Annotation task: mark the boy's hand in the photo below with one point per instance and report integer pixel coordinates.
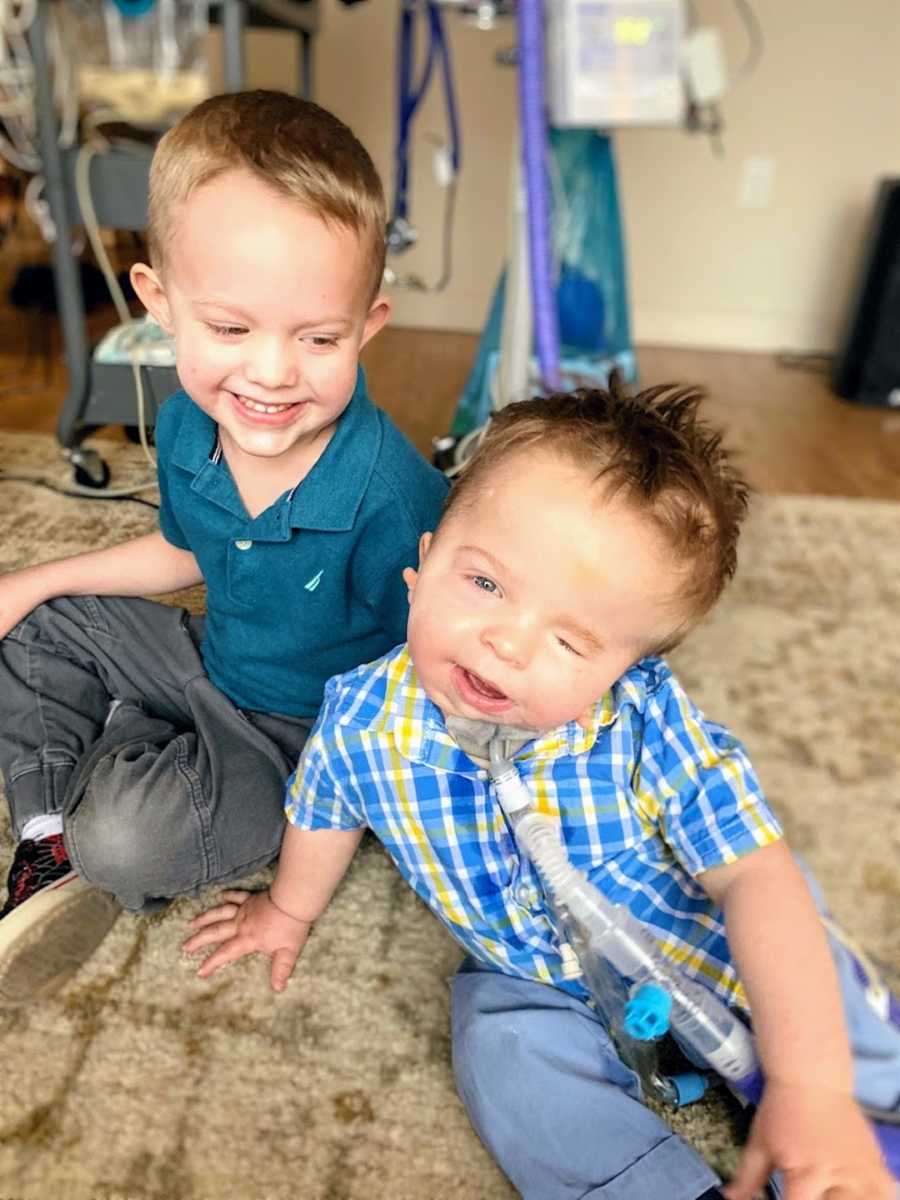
(20, 594)
(249, 923)
(820, 1141)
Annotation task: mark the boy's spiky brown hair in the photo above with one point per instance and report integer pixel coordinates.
(652, 450)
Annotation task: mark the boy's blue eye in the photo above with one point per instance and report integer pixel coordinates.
(321, 342)
(482, 581)
(228, 330)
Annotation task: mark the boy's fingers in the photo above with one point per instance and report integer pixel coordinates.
(220, 913)
(210, 966)
(283, 962)
(752, 1174)
(230, 952)
(213, 934)
(222, 931)
(810, 1185)
(235, 896)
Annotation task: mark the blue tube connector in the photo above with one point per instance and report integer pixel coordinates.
(689, 1086)
(648, 1012)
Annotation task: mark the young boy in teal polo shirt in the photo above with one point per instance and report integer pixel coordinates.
(587, 535)
(145, 751)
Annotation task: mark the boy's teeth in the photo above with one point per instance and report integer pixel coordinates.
(263, 408)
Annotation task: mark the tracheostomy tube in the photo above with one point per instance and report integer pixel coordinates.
(638, 992)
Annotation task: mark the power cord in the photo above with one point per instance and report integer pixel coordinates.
(75, 492)
(755, 39)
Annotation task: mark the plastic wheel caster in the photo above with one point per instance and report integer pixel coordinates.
(90, 470)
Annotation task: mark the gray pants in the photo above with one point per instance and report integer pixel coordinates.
(177, 788)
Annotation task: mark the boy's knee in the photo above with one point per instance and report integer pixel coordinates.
(508, 1031)
(105, 849)
(493, 1040)
(123, 841)
(481, 1041)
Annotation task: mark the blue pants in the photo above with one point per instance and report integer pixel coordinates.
(562, 1115)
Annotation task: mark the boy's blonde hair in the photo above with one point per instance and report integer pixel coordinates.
(651, 449)
(300, 150)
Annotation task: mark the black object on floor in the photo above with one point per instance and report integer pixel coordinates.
(33, 289)
(867, 364)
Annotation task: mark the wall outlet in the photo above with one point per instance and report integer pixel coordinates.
(757, 181)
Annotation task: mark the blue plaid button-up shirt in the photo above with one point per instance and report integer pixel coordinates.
(647, 798)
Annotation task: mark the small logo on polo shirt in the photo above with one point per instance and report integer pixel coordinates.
(313, 583)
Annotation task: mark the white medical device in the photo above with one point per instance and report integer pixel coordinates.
(615, 62)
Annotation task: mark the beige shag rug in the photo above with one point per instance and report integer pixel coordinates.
(140, 1082)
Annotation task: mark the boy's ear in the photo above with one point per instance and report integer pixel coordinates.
(151, 293)
(376, 318)
(410, 575)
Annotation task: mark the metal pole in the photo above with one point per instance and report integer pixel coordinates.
(306, 65)
(234, 19)
(66, 271)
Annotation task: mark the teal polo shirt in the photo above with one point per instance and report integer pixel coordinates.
(311, 587)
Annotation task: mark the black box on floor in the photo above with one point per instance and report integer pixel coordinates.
(867, 365)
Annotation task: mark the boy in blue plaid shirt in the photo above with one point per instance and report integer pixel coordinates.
(588, 534)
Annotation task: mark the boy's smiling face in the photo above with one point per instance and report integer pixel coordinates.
(269, 307)
(536, 595)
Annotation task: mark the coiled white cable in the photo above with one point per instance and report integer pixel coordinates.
(20, 23)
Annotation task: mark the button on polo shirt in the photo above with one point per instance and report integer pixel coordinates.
(312, 586)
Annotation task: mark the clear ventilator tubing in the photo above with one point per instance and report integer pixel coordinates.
(605, 933)
(612, 946)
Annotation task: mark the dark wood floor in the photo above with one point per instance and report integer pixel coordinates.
(791, 433)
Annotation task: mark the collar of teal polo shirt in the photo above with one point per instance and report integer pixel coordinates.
(328, 499)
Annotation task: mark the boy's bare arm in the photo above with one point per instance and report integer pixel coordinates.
(311, 863)
(808, 1124)
(277, 922)
(783, 960)
(145, 566)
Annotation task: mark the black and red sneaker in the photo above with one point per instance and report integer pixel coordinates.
(35, 866)
(51, 923)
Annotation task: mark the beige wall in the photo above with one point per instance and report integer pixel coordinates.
(704, 270)
(825, 104)
(356, 78)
